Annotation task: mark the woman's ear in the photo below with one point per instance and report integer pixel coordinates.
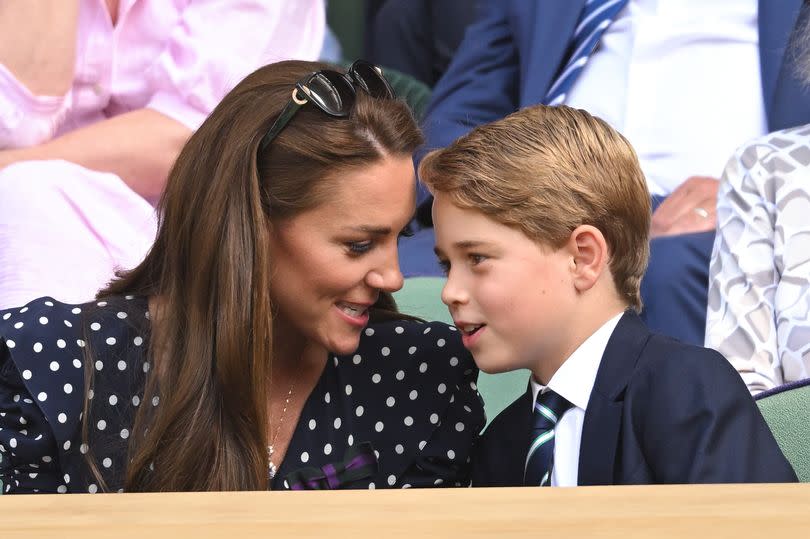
(590, 256)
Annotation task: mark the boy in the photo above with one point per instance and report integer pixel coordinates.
(542, 222)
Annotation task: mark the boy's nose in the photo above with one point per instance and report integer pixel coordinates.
(452, 292)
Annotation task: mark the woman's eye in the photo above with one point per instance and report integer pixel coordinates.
(406, 232)
(359, 247)
(445, 266)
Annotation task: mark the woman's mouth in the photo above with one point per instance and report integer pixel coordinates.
(355, 314)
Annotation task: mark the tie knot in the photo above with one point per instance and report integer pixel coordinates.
(550, 406)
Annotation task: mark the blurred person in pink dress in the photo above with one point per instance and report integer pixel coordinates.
(96, 99)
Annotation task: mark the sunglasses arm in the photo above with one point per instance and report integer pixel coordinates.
(283, 119)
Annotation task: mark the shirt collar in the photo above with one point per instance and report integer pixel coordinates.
(575, 378)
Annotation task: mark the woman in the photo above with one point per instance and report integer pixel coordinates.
(758, 311)
(257, 344)
(759, 280)
(93, 116)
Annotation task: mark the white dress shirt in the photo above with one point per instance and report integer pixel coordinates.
(574, 381)
(681, 80)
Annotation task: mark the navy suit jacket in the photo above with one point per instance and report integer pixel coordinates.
(511, 55)
(660, 412)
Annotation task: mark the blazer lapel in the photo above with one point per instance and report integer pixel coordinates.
(517, 436)
(776, 19)
(547, 42)
(601, 428)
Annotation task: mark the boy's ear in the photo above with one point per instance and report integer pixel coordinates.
(590, 256)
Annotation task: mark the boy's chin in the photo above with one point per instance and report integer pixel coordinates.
(494, 366)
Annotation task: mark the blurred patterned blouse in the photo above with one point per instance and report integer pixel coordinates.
(759, 288)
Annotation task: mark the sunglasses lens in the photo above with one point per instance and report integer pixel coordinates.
(331, 92)
(371, 80)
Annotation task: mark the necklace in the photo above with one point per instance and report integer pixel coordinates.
(271, 467)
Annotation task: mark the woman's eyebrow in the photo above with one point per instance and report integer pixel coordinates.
(371, 229)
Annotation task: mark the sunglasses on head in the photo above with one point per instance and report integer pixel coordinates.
(332, 92)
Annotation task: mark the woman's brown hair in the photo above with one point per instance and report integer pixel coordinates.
(211, 343)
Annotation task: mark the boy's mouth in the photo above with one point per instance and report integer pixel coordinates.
(470, 333)
(470, 329)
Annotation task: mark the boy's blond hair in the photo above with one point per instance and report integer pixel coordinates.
(547, 170)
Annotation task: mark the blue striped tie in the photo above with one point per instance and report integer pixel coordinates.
(595, 18)
(540, 457)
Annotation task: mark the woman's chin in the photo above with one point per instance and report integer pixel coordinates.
(343, 346)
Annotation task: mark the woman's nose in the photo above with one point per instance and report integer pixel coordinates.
(386, 277)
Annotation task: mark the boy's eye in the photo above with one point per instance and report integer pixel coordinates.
(445, 266)
(359, 247)
(476, 258)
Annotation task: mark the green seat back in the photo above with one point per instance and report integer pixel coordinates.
(347, 20)
(421, 296)
(788, 416)
(415, 92)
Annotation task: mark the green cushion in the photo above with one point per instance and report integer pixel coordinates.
(788, 416)
(421, 296)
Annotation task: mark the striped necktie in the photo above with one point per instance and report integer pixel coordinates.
(595, 18)
(548, 408)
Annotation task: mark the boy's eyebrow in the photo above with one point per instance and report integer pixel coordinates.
(468, 244)
(461, 245)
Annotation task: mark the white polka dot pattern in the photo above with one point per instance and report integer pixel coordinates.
(408, 391)
(49, 376)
